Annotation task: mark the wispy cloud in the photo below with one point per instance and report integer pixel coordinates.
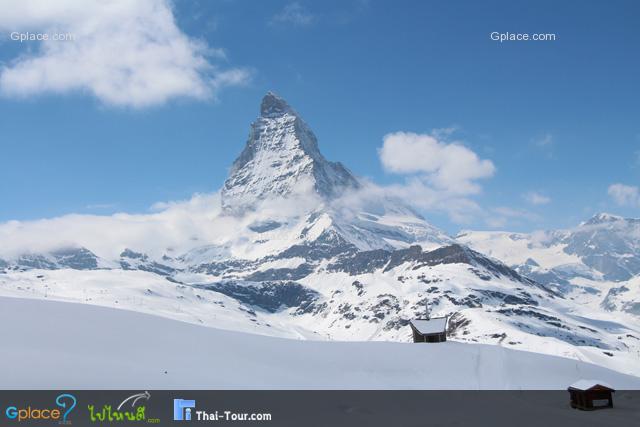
(502, 216)
(293, 14)
(624, 195)
(123, 52)
(536, 198)
(416, 193)
(100, 206)
(545, 140)
(545, 144)
(515, 213)
(636, 158)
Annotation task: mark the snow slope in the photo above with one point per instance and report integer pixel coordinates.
(124, 349)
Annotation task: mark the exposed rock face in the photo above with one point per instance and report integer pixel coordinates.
(66, 257)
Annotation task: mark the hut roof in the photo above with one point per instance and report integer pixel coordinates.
(437, 325)
(585, 385)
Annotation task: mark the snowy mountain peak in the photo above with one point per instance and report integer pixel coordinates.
(281, 158)
(274, 106)
(603, 218)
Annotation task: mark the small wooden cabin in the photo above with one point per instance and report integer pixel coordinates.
(590, 394)
(429, 330)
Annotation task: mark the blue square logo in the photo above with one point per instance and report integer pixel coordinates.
(182, 409)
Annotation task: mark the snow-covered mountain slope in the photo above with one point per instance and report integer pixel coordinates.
(146, 292)
(608, 244)
(297, 247)
(108, 345)
(355, 295)
(623, 297)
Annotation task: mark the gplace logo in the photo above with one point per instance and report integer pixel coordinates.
(182, 409)
(66, 402)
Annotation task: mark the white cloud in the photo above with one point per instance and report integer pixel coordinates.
(444, 176)
(545, 141)
(535, 198)
(508, 212)
(124, 52)
(295, 14)
(449, 167)
(624, 195)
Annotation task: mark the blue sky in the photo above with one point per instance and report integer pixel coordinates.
(558, 119)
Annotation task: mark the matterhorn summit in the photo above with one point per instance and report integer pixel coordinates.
(281, 157)
(281, 160)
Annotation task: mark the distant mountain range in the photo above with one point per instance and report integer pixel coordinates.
(307, 258)
(599, 259)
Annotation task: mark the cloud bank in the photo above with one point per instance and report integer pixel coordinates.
(171, 228)
(176, 228)
(124, 52)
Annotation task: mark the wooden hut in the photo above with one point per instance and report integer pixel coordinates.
(429, 330)
(591, 394)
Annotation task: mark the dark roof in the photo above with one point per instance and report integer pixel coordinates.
(435, 325)
(585, 385)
